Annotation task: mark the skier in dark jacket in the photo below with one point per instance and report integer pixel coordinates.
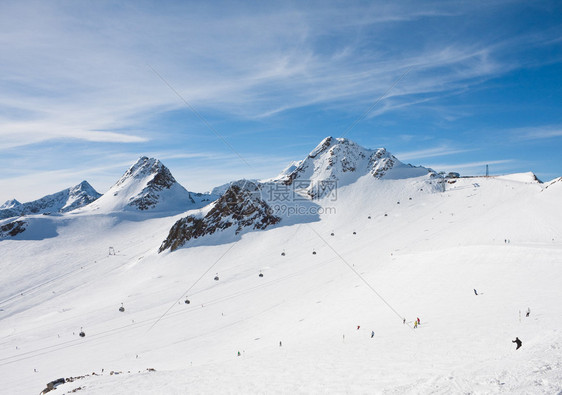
(475, 293)
(518, 343)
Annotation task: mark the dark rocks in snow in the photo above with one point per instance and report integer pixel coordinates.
(12, 229)
(240, 207)
(53, 385)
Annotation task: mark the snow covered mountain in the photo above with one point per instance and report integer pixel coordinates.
(251, 205)
(341, 162)
(239, 207)
(61, 202)
(148, 185)
(10, 204)
(313, 302)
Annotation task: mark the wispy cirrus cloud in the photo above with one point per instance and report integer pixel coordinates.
(537, 133)
(99, 71)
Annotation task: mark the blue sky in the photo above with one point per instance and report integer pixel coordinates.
(84, 87)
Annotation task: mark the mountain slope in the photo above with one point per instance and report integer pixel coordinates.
(423, 257)
(313, 304)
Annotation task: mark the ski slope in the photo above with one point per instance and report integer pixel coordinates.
(420, 254)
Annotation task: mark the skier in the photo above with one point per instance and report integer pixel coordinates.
(415, 324)
(372, 334)
(404, 321)
(518, 342)
(358, 326)
(419, 323)
(280, 344)
(475, 293)
(238, 353)
(528, 312)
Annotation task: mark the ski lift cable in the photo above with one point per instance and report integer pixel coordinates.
(268, 256)
(192, 285)
(137, 324)
(201, 118)
(358, 274)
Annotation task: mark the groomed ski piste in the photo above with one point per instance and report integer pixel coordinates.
(404, 248)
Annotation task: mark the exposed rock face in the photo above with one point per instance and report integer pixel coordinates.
(12, 229)
(60, 202)
(240, 207)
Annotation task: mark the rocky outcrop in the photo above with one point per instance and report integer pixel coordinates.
(240, 207)
(13, 228)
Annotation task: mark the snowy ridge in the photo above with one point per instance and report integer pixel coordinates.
(66, 200)
(520, 177)
(557, 183)
(342, 161)
(148, 185)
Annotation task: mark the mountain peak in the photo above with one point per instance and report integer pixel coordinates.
(149, 185)
(146, 166)
(10, 204)
(342, 162)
